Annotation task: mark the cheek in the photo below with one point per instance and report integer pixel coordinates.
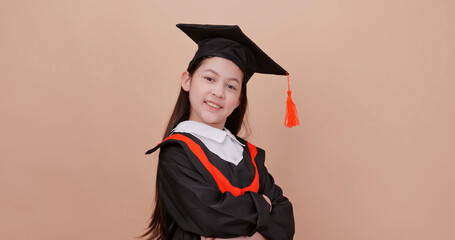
(192, 97)
(236, 100)
(195, 97)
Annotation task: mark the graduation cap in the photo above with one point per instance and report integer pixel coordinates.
(228, 41)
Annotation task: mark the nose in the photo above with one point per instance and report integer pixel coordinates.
(218, 90)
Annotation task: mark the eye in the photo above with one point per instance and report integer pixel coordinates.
(231, 87)
(209, 79)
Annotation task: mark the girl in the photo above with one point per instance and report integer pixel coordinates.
(210, 183)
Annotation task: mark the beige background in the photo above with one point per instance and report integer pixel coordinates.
(86, 87)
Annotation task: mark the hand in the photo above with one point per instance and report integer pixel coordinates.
(268, 201)
(236, 238)
(256, 236)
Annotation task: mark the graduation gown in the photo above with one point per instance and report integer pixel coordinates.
(197, 207)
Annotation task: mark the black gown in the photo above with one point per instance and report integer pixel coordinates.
(196, 206)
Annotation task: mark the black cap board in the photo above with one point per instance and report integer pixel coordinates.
(229, 42)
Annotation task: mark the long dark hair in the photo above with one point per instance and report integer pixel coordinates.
(157, 228)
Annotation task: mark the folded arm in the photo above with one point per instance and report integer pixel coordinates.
(199, 207)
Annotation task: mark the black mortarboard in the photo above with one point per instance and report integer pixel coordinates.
(229, 42)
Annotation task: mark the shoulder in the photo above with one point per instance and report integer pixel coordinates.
(260, 152)
(171, 148)
(180, 150)
(175, 156)
(245, 142)
(177, 142)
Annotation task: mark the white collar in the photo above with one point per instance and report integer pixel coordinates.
(203, 130)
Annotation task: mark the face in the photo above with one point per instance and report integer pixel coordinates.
(214, 91)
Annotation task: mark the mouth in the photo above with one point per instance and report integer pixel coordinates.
(213, 105)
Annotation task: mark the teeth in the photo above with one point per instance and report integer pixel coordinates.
(213, 105)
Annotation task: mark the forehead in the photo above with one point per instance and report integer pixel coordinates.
(221, 66)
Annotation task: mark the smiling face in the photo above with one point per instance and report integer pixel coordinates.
(214, 91)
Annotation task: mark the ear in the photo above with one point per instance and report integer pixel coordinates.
(186, 81)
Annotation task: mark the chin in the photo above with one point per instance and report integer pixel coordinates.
(211, 121)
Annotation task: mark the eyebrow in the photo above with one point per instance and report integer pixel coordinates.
(217, 74)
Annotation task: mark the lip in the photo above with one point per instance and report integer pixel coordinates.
(221, 107)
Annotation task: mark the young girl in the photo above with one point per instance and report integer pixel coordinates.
(212, 184)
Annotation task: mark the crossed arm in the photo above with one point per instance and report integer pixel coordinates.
(200, 208)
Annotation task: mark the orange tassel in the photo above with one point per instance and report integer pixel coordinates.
(291, 119)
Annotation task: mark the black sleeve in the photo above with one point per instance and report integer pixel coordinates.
(198, 206)
(281, 224)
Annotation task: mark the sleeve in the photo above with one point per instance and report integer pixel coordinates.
(198, 206)
(281, 224)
